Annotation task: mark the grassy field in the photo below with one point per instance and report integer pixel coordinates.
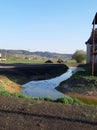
(22, 60)
(16, 58)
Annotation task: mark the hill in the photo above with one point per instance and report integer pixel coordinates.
(37, 53)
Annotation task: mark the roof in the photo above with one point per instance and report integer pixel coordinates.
(95, 19)
(91, 37)
(90, 40)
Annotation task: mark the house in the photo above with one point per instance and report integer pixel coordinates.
(2, 59)
(89, 47)
(91, 44)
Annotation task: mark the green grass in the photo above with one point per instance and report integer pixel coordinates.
(66, 100)
(71, 62)
(8, 94)
(86, 80)
(69, 100)
(1, 86)
(21, 60)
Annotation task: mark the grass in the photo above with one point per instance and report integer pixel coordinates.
(71, 62)
(9, 85)
(83, 79)
(38, 60)
(66, 100)
(70, 100)
(21, 60)
(86, 81)
(7, 93)
(90, 100)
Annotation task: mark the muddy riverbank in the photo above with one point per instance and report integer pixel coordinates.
(23, 73)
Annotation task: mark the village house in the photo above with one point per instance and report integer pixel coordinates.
(2, 59)
(92, 43)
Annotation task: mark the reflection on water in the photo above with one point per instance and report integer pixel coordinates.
(46, 88)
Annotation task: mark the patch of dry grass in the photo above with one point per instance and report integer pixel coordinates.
(91, 100)
(7, 84)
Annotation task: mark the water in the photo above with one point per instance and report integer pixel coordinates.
(46, 88)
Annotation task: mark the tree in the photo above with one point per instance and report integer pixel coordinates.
(79, 56)
(60, 61)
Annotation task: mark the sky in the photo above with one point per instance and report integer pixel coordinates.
(61, 26)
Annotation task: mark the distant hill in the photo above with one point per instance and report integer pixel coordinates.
(37, 53)
(52, 55)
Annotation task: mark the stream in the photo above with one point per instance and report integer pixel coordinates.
(46, 88)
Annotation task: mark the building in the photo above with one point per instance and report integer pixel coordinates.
(92, 44)
(89, 47)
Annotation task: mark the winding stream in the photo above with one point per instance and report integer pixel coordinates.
(46, 88)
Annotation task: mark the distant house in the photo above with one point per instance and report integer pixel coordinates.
(2, 59)
(91, 43)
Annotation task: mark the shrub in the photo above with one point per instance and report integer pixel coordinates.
(79, 56)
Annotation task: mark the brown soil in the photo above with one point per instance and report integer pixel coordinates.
(26, 114)
(23, 73)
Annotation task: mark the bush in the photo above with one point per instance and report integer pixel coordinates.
(79, 56)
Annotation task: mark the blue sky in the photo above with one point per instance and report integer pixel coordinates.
(46, 25)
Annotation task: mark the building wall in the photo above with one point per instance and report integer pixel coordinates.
(88, 57)
(0, 55)
(96, 59)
